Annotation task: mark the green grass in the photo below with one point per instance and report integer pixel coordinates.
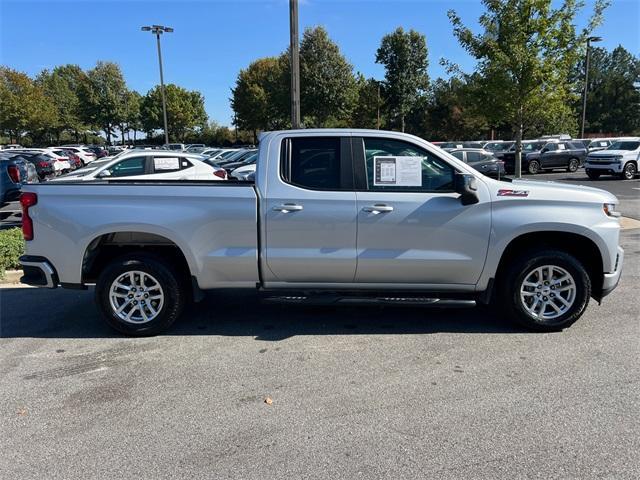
(11, 247)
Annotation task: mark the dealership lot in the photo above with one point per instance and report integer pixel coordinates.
(355, 392)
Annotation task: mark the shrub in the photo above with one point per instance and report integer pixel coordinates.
(11, 247)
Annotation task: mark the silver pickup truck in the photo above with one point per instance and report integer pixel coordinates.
(333, 216)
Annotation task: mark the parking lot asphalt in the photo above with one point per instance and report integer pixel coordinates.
(357, 392)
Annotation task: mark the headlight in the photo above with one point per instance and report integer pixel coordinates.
(618, 157)
(610, 210)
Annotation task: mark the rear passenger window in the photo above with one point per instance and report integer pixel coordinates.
(312, 162)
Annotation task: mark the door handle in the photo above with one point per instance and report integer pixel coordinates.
(378, 208)
(288, 208)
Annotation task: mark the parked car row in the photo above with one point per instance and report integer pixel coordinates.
(142, 164)
(15, 170)
(599, 156)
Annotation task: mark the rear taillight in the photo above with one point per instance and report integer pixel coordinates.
(14, 173)
(27, 200)
(221, 173)
(43, 164)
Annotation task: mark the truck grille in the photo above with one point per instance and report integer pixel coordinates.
(602, 160)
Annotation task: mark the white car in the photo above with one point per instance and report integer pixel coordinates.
(149, 165)
(242, 173)
(86, 155)
(597, 144)
(621, 159)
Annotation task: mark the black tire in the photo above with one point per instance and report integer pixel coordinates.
(593, 175)
(534, 167)
(171, 287)
(509, 289)
(629, 171)
(573, 166)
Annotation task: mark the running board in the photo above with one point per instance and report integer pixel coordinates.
(399, 301)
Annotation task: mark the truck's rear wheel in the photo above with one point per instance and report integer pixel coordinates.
(545, 290)
(573, 166)
(140, 295)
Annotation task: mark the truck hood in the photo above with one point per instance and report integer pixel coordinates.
(609, 153)
(539, 190)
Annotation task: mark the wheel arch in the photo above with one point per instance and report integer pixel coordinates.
(103, 248)
(583, 248)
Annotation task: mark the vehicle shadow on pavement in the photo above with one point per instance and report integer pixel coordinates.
(39, 313)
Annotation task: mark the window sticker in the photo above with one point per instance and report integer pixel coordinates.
(397, 171)
(166, 163)
(561, 146)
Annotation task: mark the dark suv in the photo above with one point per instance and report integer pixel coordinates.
(539, 156)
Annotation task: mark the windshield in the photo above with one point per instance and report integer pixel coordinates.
(625, 145)
(530, 147)
(498, 146)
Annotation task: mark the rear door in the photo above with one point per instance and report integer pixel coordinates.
(164, 167)
(310, 212)
(551, 157)
(412, 227)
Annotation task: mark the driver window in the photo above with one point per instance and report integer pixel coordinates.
(382, 154)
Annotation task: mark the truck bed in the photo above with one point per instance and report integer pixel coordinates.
(213, 223)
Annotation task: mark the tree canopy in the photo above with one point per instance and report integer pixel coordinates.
(405, 58)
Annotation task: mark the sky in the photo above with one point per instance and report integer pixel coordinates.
(214, 39)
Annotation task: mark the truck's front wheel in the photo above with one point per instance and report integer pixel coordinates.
(140, 295)
(545, 290)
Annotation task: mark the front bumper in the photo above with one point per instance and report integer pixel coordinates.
(609, 167)
(38, 272)
(610, 280)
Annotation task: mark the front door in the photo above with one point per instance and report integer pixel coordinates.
(416, 231)
(310, 216)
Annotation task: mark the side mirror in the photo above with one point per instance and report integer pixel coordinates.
(544, 150)
(467, 186)
(104, 173)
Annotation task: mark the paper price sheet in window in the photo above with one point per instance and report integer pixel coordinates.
(397, 171)
(166, 163)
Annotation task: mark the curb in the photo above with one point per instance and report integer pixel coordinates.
(627, 223)
(11, 277)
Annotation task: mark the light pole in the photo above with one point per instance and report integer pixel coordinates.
(586, 83)
(295, 64)
(158, 30)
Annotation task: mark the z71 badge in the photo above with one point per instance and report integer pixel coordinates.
(513, 193)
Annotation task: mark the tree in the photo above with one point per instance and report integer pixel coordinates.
(185, 111)
(104, 92)
(24, 107)
(452, 111)
(328, 89)
(63, 85)
(613, 99)
(525, 55)
(369, 106)
(405, 58)
(130, 119)
(257, 96)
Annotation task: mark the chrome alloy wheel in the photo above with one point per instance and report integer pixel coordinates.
(548, 292)
(136, 297)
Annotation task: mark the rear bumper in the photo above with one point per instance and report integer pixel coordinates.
(38, 272)
(610, 280)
